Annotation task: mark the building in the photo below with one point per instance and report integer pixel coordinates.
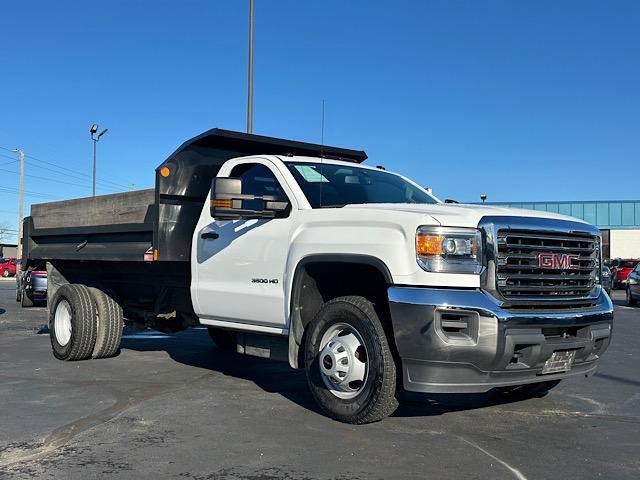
(619, 222)
(8, 250)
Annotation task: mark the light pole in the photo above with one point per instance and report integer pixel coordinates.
(250, 86)
(96, 139)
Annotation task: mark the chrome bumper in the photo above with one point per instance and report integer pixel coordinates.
(463, 341)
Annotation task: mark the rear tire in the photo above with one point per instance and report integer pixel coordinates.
(351, 371)
(530, 390)
(72, 323)
(109, 324)
(26, 301)
(5, 273)
(630, 300)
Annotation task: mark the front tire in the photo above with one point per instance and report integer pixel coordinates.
(72, 323)
(350, 368)
(630, 300)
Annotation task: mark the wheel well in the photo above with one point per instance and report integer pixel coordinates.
(317, 282)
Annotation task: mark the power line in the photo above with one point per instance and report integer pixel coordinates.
(103, 181)
(72, 171)
(9, 156)
(76, 175)
(48, 178)
(32, 194)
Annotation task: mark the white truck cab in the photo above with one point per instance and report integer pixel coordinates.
(356, 274)
(423, 264)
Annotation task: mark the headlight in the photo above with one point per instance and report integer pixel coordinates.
(449, 250)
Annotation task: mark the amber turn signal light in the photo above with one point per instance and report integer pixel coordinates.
(429, 244)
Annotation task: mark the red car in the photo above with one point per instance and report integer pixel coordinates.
(620, 270)
(8, 266)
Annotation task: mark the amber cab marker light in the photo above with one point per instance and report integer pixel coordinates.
(164, 171)
(223, 203)
(429, 244)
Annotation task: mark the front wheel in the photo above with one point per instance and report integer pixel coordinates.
(350, 368)
(630, 300)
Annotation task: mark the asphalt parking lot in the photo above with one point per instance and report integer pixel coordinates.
(175, 406)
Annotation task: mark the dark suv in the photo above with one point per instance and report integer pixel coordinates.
(633, 286)
(31, 286)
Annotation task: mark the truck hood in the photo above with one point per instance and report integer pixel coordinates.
(462, 215)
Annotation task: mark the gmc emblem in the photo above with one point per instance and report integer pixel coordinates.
(558, 261)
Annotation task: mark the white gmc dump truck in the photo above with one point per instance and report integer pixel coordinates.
(298, 252)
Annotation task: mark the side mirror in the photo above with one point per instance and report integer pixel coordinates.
(227, 201)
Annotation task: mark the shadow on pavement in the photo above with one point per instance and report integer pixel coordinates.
(615, 378)
(194, 348)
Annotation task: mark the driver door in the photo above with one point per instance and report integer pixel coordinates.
(241, 263)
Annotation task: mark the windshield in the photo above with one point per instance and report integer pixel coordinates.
(328, 185)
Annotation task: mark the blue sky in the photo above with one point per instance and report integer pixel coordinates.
(519, 100)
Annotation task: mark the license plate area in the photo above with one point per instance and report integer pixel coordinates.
(560, 361)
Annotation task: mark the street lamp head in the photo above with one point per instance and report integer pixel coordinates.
(93, 129)
(483, 197)
(102, 132)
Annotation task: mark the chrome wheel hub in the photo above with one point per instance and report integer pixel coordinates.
(62, 322)
(343, 361)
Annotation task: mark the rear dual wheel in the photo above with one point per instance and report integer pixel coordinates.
(84, 323)
(109, 324)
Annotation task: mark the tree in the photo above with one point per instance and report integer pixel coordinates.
(5, 232)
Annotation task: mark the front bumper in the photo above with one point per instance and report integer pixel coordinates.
(455, 341)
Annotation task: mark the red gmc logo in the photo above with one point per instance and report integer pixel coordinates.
(558, 261)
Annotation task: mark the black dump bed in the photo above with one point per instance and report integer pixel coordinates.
(157, 223)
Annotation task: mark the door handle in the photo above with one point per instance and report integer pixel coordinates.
(209, 235)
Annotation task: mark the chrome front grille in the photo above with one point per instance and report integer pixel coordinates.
(545, 265)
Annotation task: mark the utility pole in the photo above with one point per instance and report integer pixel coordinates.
(20, 195)
(250, 87)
